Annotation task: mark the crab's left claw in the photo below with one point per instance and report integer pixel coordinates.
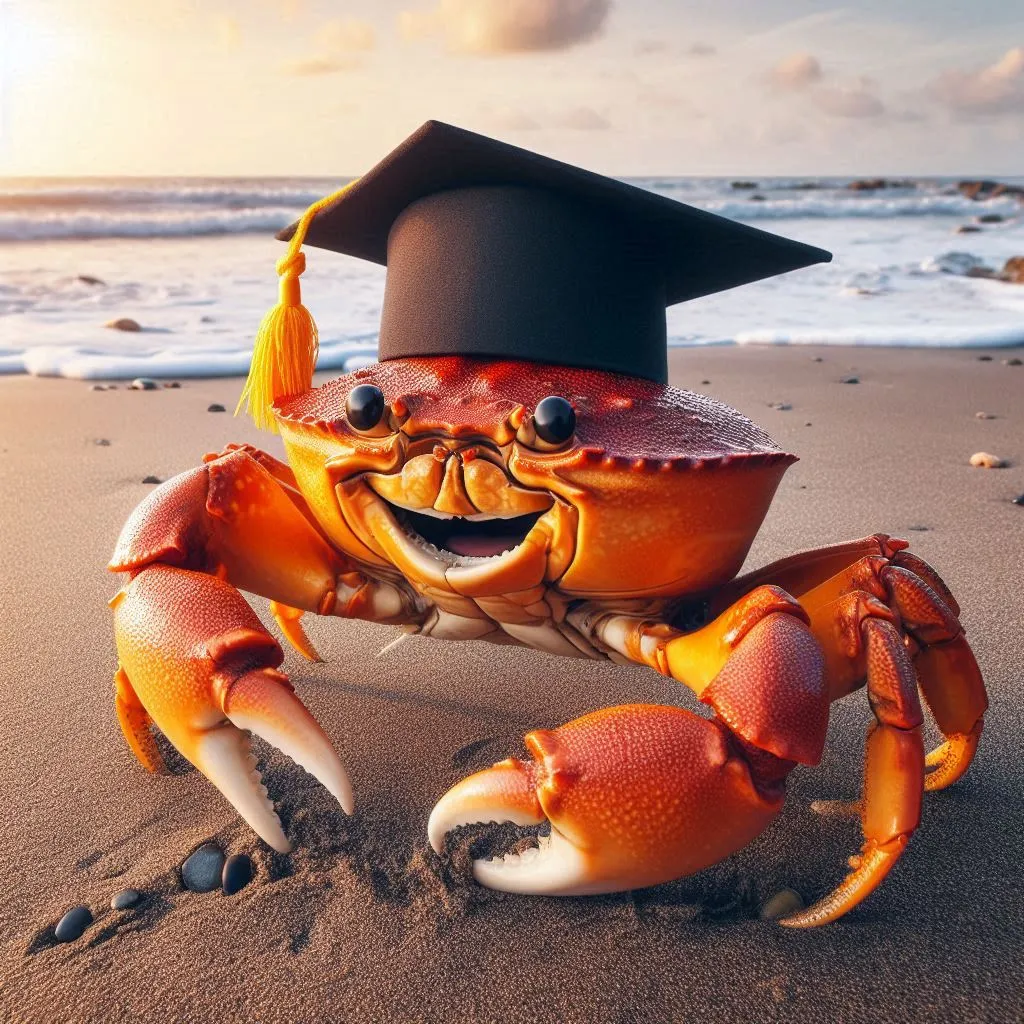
(636, 795)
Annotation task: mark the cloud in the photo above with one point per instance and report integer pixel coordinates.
(311, 66)
(996, 89)
(507, 26)
(849, 102)
(702, 50)
(797, 71)
(345, 35)
(653, 47)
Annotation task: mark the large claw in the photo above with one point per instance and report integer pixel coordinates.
(196, 661)
(635, 795)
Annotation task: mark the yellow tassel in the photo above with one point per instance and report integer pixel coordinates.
(287, 342)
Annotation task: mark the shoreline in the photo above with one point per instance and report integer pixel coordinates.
(360, 922)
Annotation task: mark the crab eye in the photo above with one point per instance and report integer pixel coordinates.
(364, 406)
(554, 419)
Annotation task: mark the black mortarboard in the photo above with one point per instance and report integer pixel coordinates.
(496, 251)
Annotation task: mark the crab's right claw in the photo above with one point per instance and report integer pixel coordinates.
(197, 662)
(636, 795)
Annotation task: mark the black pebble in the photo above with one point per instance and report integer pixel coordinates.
(1019, 500)
(73, 923)
(89, 279)
(1013, 362)
(171, 384)
(126, 898)
(705, 382)
(237, 874)
(919, 529)
(216, 407)
(152, 479)
(984, 359)
(850, 380)
(201, 870)
(101, 442)
(819, 359)
(144, 384)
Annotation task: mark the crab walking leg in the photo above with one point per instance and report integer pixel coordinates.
(641, 794)
(947, 671)
(196, 660)
(890, 807)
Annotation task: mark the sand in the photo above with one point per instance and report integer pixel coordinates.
(362, 923)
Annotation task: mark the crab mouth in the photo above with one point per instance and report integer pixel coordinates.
(466, 538)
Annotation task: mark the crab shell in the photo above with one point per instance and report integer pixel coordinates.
(659, 493)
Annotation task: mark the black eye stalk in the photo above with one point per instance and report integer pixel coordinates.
(365, 406)
(554, 419)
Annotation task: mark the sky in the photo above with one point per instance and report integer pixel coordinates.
(626, 87)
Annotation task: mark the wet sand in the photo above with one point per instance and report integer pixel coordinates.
(361, 922)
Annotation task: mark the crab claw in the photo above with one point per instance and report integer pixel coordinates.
(636, 795)
(197, 662)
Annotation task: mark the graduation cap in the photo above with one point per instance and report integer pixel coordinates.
(496, 251)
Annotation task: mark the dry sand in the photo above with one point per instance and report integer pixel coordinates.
(361, 923)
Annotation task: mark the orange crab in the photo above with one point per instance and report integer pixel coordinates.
(575, 511)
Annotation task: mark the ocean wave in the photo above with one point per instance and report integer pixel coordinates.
(859, 206)
(50, 226)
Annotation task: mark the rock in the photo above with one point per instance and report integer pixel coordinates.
(216, 407)
(990, 218)
(985, 189)
(89, 279)
(201, 870)
(101, 442)
(987, 460)
(97, 387)
(1012, 362)
(785, 901)
(781, 406)
(152, 479)
(705, 382)
(984, 416)
(237, 874)
(144, 384)
(207, 320)
(960, 263)
(743, 184)
(967, 229)
(73, 923)
(849, 380)
(1013, 270)
(126, 898)
(757, 198)
(124, 323)
(919, 529)
(171, 384)
(1019, 500)
(984, 359)
(817, 359)
(806, 186)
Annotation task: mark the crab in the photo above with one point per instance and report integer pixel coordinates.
(581, 513)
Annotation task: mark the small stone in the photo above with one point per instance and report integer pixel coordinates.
(784, 902)
(97, 387)
(151, 479)
(1012, 362)
(73, 923)
(171, 384)
(967, 229)
(101, 442)
(126, 898)
(1019, 500)
(207, 320)
(781, 406)
(201, 870)
(919, 529)
(237, 874)
(990, 218)
(817, 359)
(215, 407)
(124, 323)
(705, 382)
(987, 461)
(850, 380)
(808, 424)
(89, 279)
(984, 359)
(144, 384)
(984, 416)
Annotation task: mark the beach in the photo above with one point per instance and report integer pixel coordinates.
(362, 922)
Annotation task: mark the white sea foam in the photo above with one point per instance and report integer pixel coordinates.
(192, 261)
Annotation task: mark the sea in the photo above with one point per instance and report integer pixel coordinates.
(192, 261)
